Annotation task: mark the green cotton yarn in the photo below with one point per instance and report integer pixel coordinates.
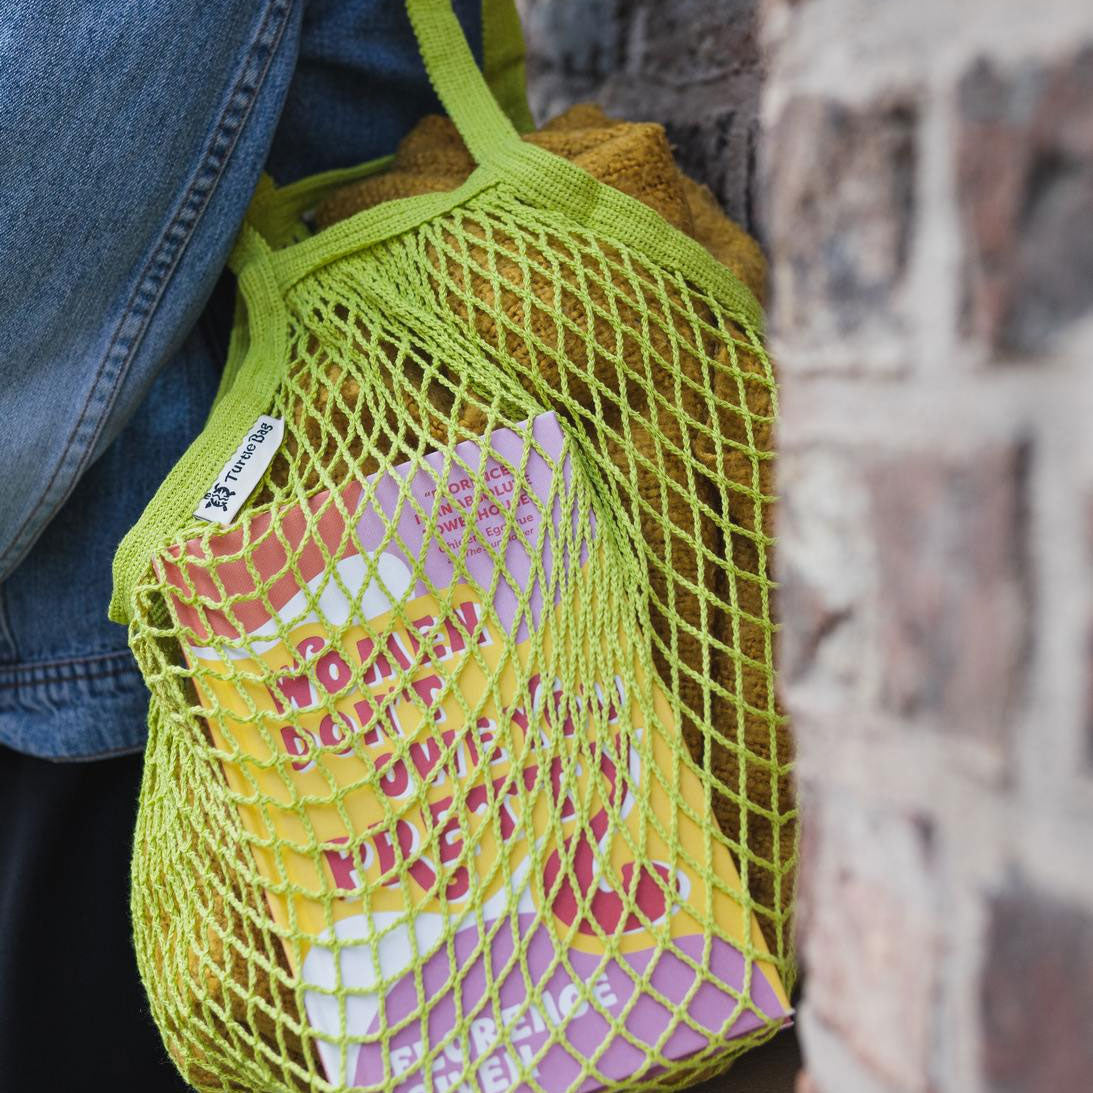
(412, 328)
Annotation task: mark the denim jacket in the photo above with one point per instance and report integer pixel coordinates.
(133, 136)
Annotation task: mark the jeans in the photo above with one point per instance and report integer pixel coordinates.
(132, 137)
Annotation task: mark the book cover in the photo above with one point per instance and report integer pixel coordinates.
(472, 813)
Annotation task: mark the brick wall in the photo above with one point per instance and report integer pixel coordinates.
(925, 190)
(927, 170)
(692, 65)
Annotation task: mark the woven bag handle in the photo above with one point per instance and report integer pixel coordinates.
(503, 60)
(464, 91)
(275, 210)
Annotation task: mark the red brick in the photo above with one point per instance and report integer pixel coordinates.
(1036, 995)
(1025, 188)
(692, 65)
(689, 41)
(952, 587)
(840, 215)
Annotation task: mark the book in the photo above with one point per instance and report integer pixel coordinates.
(483, 843)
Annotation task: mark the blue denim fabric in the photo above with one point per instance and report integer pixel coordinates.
(132, 138)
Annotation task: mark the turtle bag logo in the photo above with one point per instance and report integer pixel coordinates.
(217, 497)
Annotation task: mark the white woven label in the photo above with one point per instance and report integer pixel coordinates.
(236, 482)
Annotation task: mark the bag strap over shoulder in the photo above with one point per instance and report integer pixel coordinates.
(503, 61)
(275, 211)
(461, 86)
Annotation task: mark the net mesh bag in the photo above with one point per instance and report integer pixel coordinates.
(465, 767)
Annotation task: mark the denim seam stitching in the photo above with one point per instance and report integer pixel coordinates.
(82, 677)
(64, 662)
(27, 679)
(156, 275)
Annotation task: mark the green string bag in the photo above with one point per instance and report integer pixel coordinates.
(465, 769)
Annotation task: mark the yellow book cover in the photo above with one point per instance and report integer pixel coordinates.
(472, 811)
